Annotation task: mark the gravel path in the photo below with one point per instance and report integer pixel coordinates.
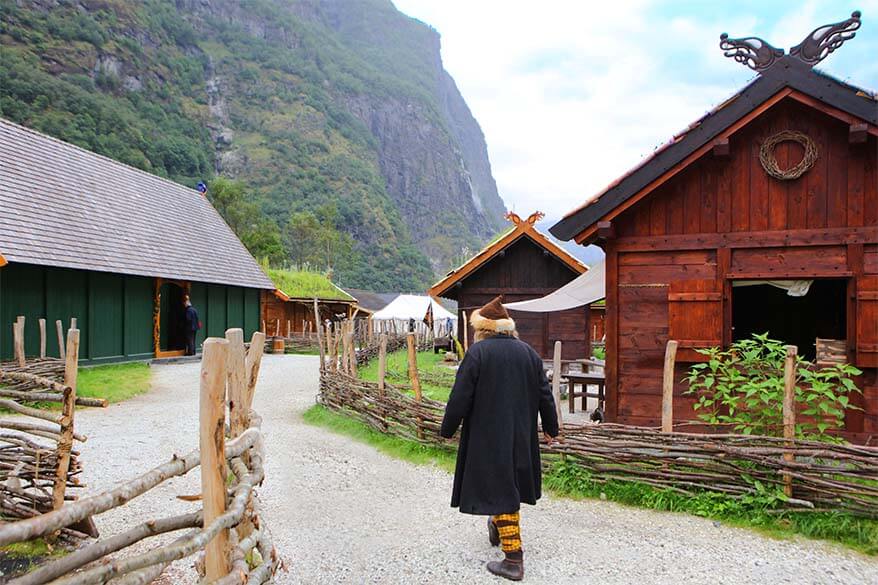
(340, 512)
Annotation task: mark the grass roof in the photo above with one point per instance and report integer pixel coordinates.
(305, 284)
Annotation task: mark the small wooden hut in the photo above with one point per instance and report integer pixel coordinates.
(778, 184)
(289, 308)
(522, 264)
(83, 236)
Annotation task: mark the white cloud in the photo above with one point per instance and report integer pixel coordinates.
(570, 95)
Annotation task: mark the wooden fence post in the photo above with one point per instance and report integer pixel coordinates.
(413, 376)
(252, 363)
(465, 333)
(382, 361)
(556, 380)
(335, 335)
(18, 340)
(73, 323)
(789, 412)
(668, 387)
(60, 329)
(42, 338)
(237, 382)
(319, 341)
(65, 441)
(352, 355)
(212, 446)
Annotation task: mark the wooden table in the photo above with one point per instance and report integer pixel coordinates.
(584, 379)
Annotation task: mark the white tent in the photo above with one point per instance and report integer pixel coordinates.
(405, 307)
(582, 290)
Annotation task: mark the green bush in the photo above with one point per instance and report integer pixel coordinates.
(743, 386)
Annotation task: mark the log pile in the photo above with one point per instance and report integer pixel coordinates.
(825, 476)
(236, 542)
(38, 462)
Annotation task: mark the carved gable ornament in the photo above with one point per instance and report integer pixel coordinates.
(758, 55)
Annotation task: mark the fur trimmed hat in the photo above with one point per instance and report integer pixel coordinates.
(493, 317)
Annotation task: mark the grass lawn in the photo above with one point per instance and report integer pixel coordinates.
(571, 481)
(115, 382)
(436, 377)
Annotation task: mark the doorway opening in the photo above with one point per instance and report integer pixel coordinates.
(172, 318)
(795, 320)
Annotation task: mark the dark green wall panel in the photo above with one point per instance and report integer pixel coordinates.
(139, 292)
(235, 307)
(23, 294)
(67, 297)
(252, 313)
(106, 326)
(216, 311)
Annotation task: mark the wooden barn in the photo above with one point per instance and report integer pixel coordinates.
(705, 241)
(289, 308)
(522, 264)
(86, 237)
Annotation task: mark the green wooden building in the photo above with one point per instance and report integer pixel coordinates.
(87, 237)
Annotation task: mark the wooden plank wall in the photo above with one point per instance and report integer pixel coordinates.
(725, 217)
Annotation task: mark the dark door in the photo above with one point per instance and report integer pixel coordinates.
(172, 324)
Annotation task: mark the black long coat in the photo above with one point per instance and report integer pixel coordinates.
(500, 387)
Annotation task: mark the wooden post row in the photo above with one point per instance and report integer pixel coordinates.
(789, 412)
(668, 387)
(65, 441)
(212, 447)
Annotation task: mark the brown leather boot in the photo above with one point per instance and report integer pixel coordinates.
(493, 533)
(512, 569)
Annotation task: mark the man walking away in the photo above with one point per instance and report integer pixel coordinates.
(192, 326)
(500, 389)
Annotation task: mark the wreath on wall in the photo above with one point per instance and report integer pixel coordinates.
(769, 162)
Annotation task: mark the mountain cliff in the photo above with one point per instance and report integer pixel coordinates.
(354, 147)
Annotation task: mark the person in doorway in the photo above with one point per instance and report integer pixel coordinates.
(192, 325)
(501, 387)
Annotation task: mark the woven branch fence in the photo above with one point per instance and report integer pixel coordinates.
(235, 541)
(825, 476)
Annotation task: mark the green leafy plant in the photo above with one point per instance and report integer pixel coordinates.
(743, 386)
(599, 353)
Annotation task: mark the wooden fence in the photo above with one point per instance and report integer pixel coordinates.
(815, 475)
(228, 528)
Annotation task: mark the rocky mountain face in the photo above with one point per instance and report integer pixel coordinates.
(308, 102)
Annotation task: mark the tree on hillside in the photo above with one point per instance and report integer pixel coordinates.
(259, 234)
(313, 238)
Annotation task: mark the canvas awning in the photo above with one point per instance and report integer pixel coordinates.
(581, 291)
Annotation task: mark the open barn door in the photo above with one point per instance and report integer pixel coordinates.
(867, 322)
(695, 315)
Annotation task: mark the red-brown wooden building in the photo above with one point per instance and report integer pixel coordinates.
(685, 228)
(521, 265)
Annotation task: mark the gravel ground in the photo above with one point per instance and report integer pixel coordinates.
(340, 512)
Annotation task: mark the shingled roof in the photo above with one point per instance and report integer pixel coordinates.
(67, 207)
(787, 79)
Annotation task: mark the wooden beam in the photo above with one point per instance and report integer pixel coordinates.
(858, 133)
(606, 230)
(721, 148)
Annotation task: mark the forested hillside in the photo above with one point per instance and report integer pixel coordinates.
(327, 130)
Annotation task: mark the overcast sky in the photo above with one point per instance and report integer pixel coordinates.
(571, 94)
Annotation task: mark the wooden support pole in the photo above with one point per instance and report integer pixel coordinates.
(319, 341)
(556, 379)
(18, 340)
(263, 326)
(252, 363)
(277, 327)
(59, 328)
(42, 338)
(237, 382)
(289, 329)
(73, 323)
(65, 442)
(789, 412)
(413, 376)
(335, 335)
(668, 387)
(212, 447)
(465, 333)
(382, 361)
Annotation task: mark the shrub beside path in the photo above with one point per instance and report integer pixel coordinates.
(341, 512)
